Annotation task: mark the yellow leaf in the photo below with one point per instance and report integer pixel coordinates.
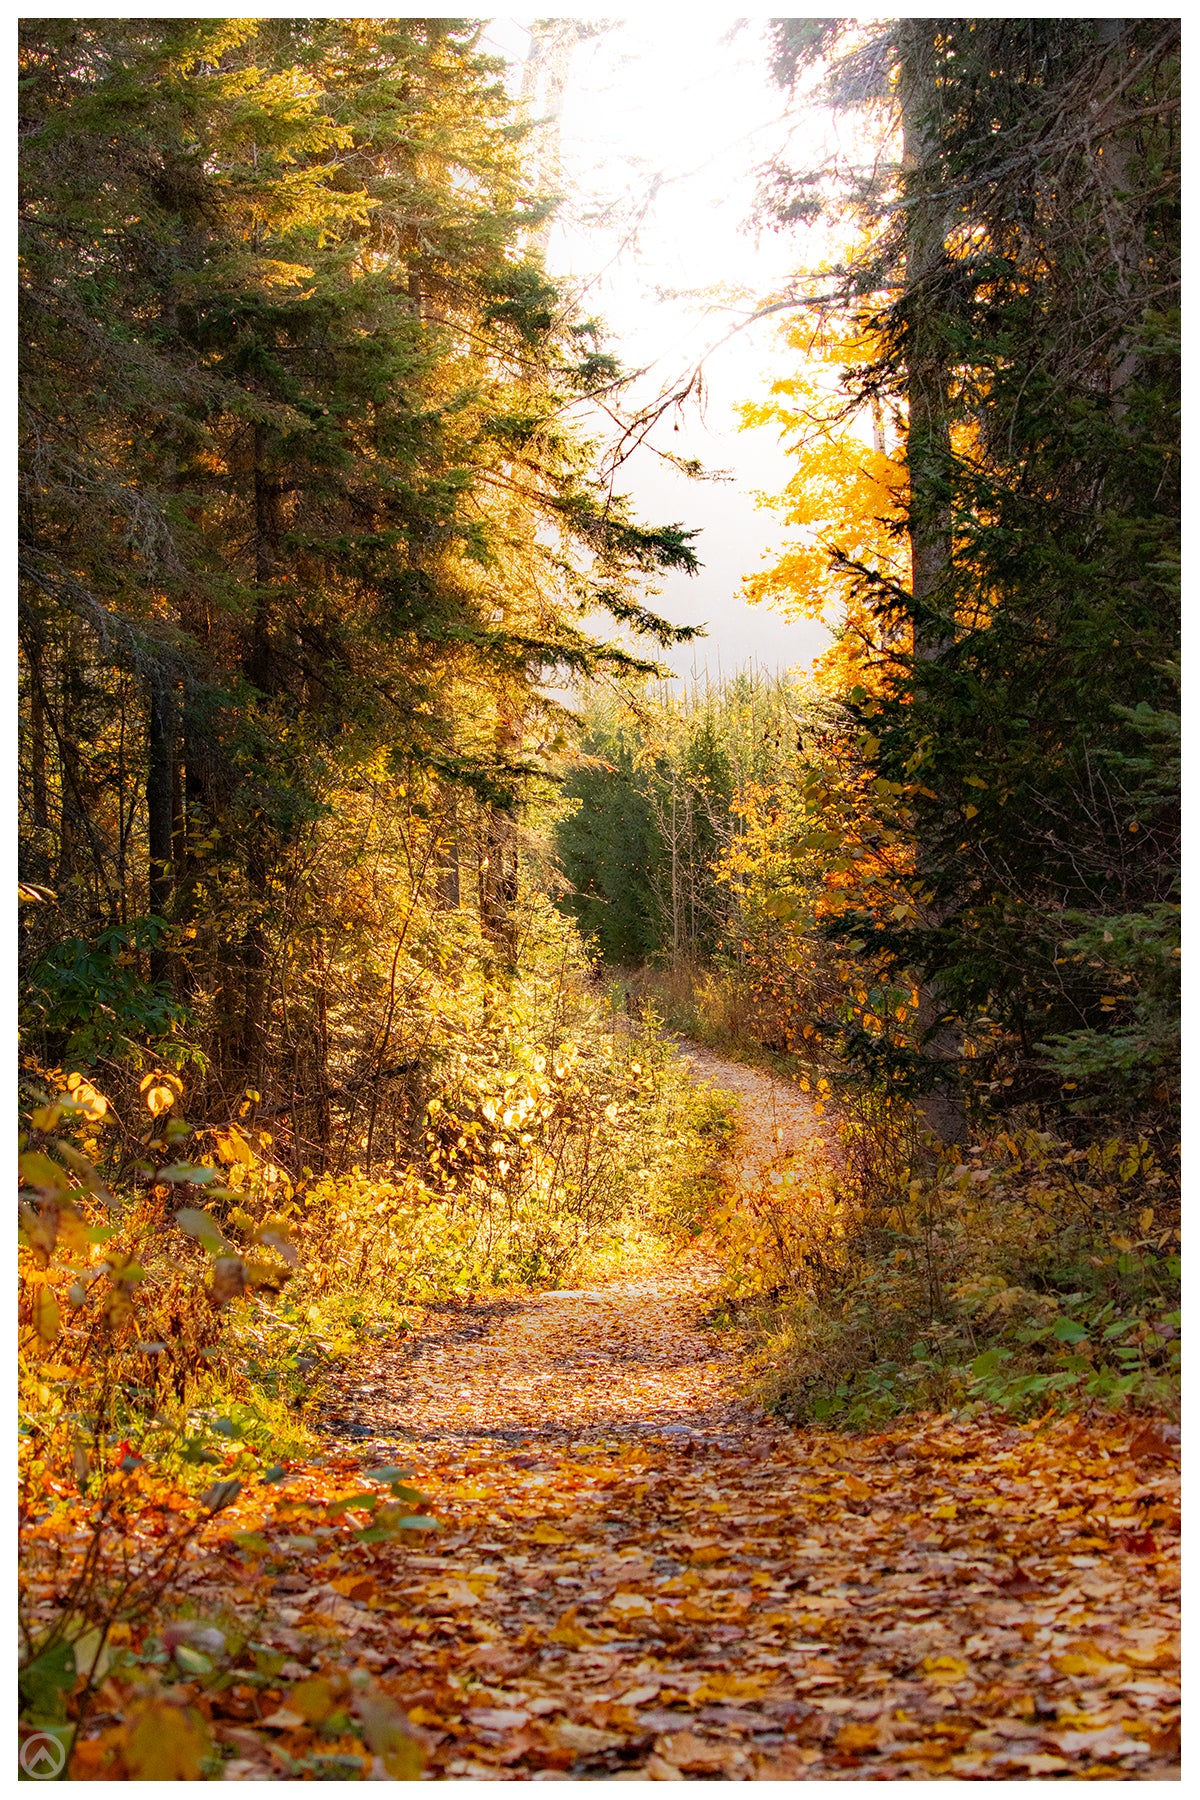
(947, 1510)
(630, 1605)
(945, 1671)
(313, 1699)
(165, 1743)
(233, 1147)
(548, 1534)
(1163, 1655)
(858, 1737)
(719, 1686)
(45, 1315)
(84, 1096)
(855, 1489)
(355, 1587)
(1085, 1659)
(38, 1171)
(569, 1632)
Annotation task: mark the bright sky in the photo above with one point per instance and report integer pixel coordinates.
(689, 105)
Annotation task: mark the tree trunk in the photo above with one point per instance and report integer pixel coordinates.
(37, 744)
(925, 265)
(449, 882)
(928, 454)
(257, 662)
(324, 1126)
(1114, 179)
(160, 764)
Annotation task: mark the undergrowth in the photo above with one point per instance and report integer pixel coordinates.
(1031, 1276)
(183, 1296)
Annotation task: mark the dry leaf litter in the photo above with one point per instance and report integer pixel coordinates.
(637, 1575)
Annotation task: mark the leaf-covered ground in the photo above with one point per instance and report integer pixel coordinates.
(636, 1575)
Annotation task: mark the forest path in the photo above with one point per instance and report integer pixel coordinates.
(629, 1358)
(639, 1575)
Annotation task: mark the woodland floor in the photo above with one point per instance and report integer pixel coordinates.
(638, 1575)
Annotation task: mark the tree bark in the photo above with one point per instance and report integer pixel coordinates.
(266, 550)
(928, 454)
(37, 744)
(160, 763)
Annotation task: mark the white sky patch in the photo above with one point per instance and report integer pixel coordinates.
(664, 123)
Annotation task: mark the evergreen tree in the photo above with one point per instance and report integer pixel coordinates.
(1022, 282)
(299, 490)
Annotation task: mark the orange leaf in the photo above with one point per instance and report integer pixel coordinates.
(858, 1737)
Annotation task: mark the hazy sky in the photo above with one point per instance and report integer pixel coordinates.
(674, 116)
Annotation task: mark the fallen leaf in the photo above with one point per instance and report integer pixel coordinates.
(585, 1740)
(684, 1750)
(164, 1742)
(855, 1736)
(569, 1632)
(945, 1671)
(1086, 1659)
(1109, 1741)
(498, 1718)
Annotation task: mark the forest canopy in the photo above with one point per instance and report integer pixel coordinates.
(387, 919)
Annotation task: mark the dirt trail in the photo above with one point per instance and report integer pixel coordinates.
(637, 1574)
(628, 1359)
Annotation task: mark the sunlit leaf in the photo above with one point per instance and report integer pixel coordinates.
(46, 1318)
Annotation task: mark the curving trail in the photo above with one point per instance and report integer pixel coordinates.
(638, 1575)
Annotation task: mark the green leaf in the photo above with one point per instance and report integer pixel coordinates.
(1067, 1331)
(196, 1172)
(199, 1225)
(193, 1662)
(44, 1682)
(252, 1540)
(377, 1534)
